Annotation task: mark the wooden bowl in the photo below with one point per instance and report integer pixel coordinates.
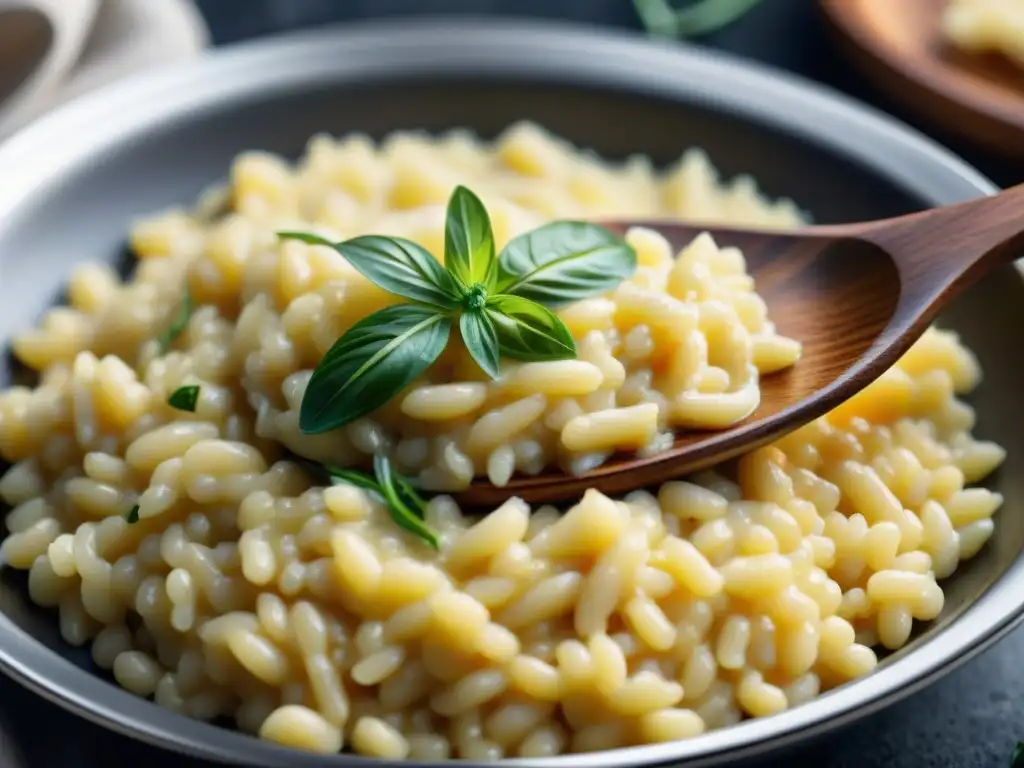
(900, 46)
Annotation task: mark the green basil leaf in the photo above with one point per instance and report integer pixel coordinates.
(307, 237)
(658, 17)
(1017, 758)
(699, 18)
(480, 339)
(352, 477)
(403, 516)
(407, 493)
(529, 331)
(397, 265)
(469, 240)
(563, 262)
(707, 16)
(132, 516)
(410, 496)
(179, 322)
(375, 359)
(184, 398)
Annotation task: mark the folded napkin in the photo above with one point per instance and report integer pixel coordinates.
(96, 42)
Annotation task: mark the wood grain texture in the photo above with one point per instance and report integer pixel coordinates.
(856, 296)
(899, 45)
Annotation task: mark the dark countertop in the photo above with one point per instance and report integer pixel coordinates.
(971, 719)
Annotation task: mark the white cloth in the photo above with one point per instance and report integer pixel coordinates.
(96, 42)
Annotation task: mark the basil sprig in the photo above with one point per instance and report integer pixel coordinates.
(405, 505)
(502, 303)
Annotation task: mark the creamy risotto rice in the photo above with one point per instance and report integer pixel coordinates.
(306, 615)
(986, 25)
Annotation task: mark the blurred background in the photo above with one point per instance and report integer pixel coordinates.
(970, 720)
(788, 34)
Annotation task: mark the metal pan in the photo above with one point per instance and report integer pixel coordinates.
(71, 183)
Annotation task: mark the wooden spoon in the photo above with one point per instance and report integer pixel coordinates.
(855, 295)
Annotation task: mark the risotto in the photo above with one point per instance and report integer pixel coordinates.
(213, 573)
(986, 25)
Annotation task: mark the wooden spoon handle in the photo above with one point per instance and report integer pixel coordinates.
(940, 252)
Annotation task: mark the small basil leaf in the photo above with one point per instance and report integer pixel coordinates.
(469, 240)
(375, 359)
(352, 477)
(1017, 758)
(481, 340)
(397, 265)
(658, 17)
(179, 322)
(307, 237)
(410, 496)
(132, 516)
(563, 262)
(403, 516)
(699, 18)
(529, 331)
(184, 398)
(407, 493)
(707, 16)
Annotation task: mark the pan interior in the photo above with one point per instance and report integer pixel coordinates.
(86, 216)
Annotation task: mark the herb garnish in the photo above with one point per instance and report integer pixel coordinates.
(178, 323)
(184, 398)
(501, 303)
(407, 508)
(1017, 758)
(132, 515)
(699, 18)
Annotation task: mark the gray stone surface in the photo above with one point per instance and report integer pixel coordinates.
(971, 719)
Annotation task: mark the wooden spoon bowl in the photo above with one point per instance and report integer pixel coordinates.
(857, 296)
